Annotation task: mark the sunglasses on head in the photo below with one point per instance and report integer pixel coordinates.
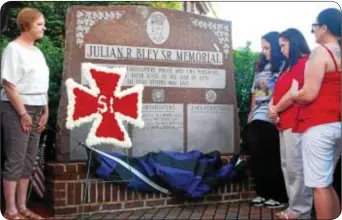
(314, 26)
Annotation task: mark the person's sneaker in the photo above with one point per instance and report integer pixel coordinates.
(272, 204)
(258, 201)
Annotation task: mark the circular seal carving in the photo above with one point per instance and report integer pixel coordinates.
(158, 95)
(210, 96)
(158, 27)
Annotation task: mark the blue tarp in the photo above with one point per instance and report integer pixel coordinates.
(190, 174)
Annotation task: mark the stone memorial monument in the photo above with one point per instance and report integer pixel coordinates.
(185, 63)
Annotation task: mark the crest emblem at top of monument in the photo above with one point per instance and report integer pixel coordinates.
(158, 27)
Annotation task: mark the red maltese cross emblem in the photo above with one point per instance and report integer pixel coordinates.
(105, 105)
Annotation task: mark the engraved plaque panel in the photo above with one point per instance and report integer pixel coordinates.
(210, 127)
(163, 129)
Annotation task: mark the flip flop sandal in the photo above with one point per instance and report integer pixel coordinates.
(279, 213)
(282, 212)
(14, 216)
(29, 214)
(287, 215)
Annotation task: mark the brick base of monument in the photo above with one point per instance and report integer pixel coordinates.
(66, 184)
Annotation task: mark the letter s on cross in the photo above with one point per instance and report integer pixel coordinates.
(102, 102)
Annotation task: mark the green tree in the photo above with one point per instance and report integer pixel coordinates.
(244, 70)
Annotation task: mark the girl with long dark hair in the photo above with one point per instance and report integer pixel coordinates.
(262, 134)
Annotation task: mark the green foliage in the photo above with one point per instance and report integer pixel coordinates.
(244, 63)
(3, 42)
(170, 5)
(54, 59)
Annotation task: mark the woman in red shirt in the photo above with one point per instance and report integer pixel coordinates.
(296, 50)
(319, 120)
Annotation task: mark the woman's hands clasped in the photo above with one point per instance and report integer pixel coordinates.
(26, 122)
(272, 113)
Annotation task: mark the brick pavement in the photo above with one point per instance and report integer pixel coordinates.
(233, 210)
